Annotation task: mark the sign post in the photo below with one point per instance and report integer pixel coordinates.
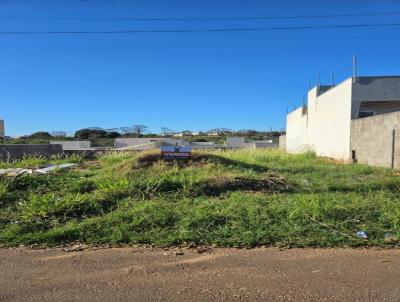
(176, 152)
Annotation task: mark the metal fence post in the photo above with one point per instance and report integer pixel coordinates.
(393, 146)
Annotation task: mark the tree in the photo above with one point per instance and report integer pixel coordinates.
(113, 134)
(126, 130)
(90, 133)
(166, 131)
(249, 132)
(40, 135)
(139, 130)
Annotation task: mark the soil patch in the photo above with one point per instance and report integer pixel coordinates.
(269, 184)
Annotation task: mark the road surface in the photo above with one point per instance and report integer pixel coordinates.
(139, 274)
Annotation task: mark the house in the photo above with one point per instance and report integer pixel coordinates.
(186, 133)
(213, 133)
(340, 121)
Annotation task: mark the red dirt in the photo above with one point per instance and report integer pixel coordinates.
(137, 274)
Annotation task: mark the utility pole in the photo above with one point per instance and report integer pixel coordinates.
(332, 79)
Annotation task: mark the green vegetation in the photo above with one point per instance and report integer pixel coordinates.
(232, 198)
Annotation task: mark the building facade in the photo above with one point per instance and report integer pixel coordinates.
(326, 124)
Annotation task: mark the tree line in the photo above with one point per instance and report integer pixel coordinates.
(96, 133)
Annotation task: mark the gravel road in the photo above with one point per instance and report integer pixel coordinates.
(140, 274)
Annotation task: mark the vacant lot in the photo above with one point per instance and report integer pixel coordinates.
(233, 198)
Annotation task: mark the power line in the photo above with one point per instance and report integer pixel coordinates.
(368, 51)
(248, 29)
(205, 18)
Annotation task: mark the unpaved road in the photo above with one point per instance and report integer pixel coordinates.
(264, 274)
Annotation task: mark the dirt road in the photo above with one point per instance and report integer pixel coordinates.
(264, 274)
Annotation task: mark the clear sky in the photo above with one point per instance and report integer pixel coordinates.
(182, 81)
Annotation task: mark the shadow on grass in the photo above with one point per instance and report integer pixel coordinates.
(216, 187)
(393, 187)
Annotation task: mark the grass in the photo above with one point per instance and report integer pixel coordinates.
(231, 198)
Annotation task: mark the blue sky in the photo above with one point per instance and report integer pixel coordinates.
(182, 81)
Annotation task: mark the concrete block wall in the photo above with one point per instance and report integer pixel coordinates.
(372, 140)
(265, 144)
(12, 152)
(239, 143)
(126, 142)
(235, 142)
(203, 145)
(72, 145)
(143, 147)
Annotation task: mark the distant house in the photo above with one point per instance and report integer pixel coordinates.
(213, 133)
(186, 133)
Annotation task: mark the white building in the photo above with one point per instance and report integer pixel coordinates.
(324, 125)
(185, 133)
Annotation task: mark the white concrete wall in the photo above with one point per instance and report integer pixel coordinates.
(296, 131)
(326, 128)
(282, 142)
(2, 129)
(329, 121)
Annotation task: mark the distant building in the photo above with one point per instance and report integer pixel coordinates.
(186, 133)
(179, 134)
(213, 133)
(358, 119)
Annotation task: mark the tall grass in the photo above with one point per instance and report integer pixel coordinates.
(231, 198)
